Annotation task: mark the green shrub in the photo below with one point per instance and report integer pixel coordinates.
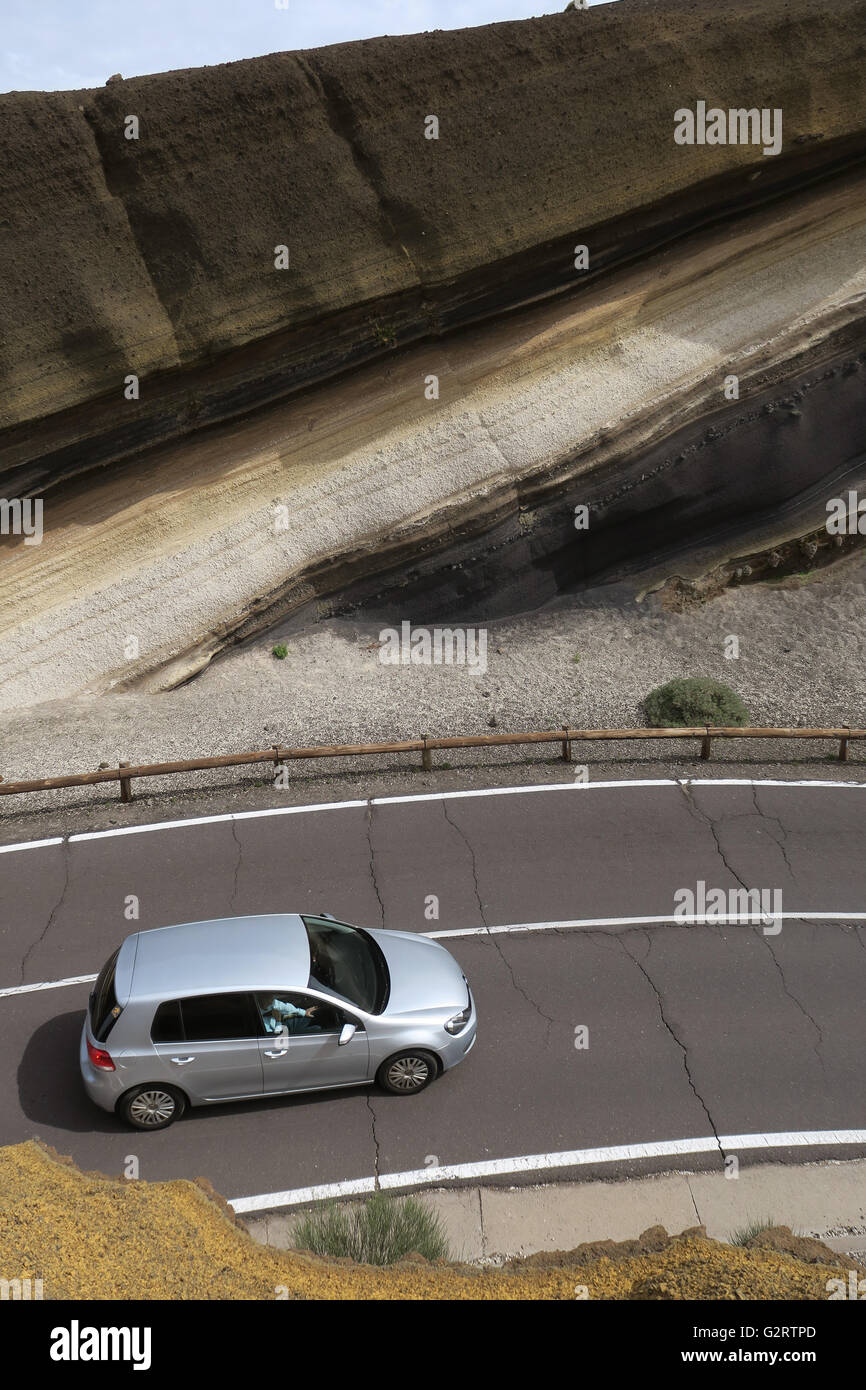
(376, 1232)
(280, 651)
(694, 701)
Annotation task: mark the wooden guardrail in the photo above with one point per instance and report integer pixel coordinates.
(125, 772)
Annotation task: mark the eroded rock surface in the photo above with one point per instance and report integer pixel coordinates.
(304, 389)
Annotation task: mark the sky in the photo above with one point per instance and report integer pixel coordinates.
(53, 44)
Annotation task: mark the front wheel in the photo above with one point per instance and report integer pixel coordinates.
(407, 1073)
(153, 1106)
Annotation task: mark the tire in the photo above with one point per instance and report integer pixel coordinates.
(406, 1067)
(144, 1101)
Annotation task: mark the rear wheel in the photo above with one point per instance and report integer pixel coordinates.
(407, 1073)
(152, 1106)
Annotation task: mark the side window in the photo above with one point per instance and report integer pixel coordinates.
(218, 1017)
(289, 1011)
(167, 1027)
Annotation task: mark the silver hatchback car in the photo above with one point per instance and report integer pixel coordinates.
(243, 1007)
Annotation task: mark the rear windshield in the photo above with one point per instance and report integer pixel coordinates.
(104, 1008)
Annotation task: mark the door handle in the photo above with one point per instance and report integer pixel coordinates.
(281, 1052)
(182, 1061)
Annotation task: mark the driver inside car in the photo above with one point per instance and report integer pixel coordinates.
(276, 1014)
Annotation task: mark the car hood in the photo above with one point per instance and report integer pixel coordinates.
(424, 975)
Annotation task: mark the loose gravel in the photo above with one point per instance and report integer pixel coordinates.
(587, 661)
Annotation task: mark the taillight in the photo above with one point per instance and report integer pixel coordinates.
(99, 1057)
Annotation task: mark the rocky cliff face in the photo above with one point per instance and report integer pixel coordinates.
(155, 255)
(558, 384)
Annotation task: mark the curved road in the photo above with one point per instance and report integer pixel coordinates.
(738, 1037)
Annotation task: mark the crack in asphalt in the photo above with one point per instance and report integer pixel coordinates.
(660, 1002)
(784, 833)
(803, 1010)
(495, 937)
(647, 931)
(465, 838)
(238, 864)
(707, 820)
(376, 1148)
(373, 860)
(52, 914)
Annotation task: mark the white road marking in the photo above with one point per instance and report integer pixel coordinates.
(723, 919)
(47, 984)
(429, 796)
(214, 820)
(31, 844)
(761, 782)
(546, 1162)
(517, 791)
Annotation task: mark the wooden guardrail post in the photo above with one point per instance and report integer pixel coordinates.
(125, 785)
(566, 745)
(706, 746)
(426, 756)
(843, 748)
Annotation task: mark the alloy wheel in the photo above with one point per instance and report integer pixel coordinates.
(152, 1107)
(408, 1073)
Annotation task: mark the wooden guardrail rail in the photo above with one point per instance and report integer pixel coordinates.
(125, 772)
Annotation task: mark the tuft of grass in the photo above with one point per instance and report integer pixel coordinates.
(576, 656)
(743, 1234)
(376, 1232)
(386, 333)
(280, 651)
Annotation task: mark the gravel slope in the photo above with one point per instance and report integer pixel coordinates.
(801, 661)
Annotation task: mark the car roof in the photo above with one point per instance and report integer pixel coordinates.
(265, 952)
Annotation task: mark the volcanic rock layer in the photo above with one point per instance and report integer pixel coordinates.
(407, 416)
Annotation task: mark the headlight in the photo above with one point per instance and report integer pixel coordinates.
(459, 1021)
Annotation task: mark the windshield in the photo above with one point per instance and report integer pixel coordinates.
(344, 960)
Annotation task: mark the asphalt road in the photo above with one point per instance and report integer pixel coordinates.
(693, 1030)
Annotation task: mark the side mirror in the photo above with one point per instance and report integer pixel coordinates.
(347, 1033)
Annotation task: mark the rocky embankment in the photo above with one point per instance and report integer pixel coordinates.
(76, 1232)
(405, 416)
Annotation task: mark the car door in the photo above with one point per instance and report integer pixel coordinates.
(209, 1045)
(301, 1053)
